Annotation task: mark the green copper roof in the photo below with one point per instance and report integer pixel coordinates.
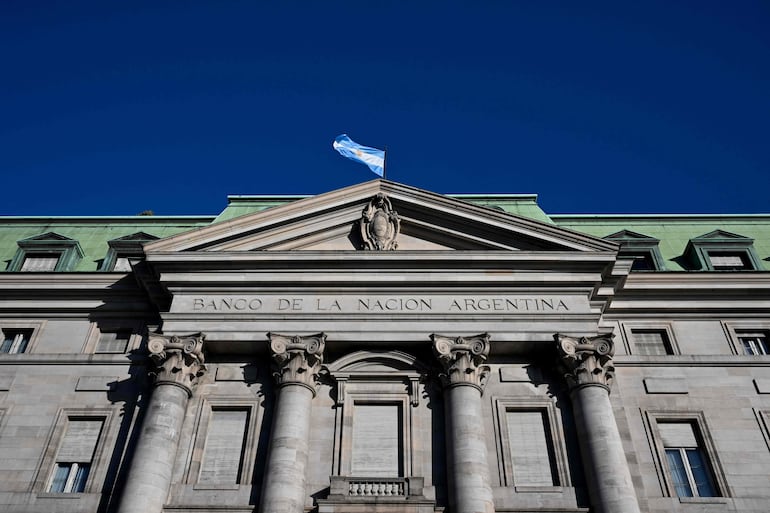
(675, 231)
(91, 232)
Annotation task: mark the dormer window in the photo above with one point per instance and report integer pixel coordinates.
(46, 253)
(722, 251)
(642, 249)
(125, 251)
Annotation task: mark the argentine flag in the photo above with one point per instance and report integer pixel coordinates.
(372, 157)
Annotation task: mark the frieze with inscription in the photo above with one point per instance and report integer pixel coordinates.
(381, 304)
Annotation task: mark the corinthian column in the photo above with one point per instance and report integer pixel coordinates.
(588, 368)
(463, 379)
(296, 362)
(178, 363)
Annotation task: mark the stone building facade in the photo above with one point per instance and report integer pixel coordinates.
(382, 348)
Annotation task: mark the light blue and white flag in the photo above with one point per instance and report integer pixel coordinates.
(372, 157)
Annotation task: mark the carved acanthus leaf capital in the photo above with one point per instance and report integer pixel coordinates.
(462, 359)
(178, 360)
(586, 360)
(297, 359)
(380, 224)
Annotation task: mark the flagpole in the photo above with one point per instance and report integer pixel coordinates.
(385, 163)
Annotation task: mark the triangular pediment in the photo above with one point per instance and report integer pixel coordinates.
(720, 235)
(50, 236)
(628, 235)
(424, 221)
(136, 237)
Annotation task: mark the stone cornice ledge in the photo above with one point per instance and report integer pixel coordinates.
(688, 360)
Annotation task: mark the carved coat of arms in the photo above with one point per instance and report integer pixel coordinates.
(380, 225)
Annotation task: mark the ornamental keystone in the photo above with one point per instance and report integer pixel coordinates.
(586, 360)
(461, 358)
(178, 360)
(297, 359)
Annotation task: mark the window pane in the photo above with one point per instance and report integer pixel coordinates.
(700, 473)
(376, 440)
(81, 476)
(651, 342)
(754, 344)
(61, 472)
(79, 441)
(223, 453)
(678, 472)
(728, 261)
(15, 341)
(40, 262)
(115, 342)
(122, 264)
(530, 448)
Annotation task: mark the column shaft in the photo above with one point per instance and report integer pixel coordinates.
(153, 462)
(589, 370)
(283, 490)
(467, 452)
(606, 468)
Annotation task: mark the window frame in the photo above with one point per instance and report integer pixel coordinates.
(69, 251)
(636, 243)
(554, 429)
(628, 329)
(129, 246)
(35, 326)
(719, 241)
(99, 460)
(706, 445)
(733, 331)
(205, 414)
(112, 326)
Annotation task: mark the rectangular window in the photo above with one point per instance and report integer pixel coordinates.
(377, 440)
(651, 342)
(76, 452)
(754, 343)
(729, 261)
(113, 342)
(690, 471)
(40, 262)
(15, 340)
(531, 448)
(223, 452)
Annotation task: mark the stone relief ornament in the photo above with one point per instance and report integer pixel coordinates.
(178, 360)
(586, 360)
(297, 359)
(380, 224)
(461, 358)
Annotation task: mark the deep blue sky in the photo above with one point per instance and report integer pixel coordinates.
(114, 107)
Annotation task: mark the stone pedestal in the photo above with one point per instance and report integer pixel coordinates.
(463, 381)
(588, 369)
(297, 361)
(178, 363)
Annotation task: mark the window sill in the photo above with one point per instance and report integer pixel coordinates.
(703, 500)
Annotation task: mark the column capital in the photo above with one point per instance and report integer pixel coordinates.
(297, 359)
(462, 359)
(586, 361)
(178, 360)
